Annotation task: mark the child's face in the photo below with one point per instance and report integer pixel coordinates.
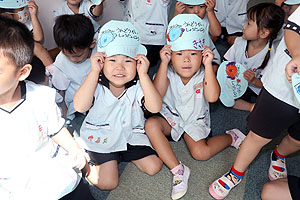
(119, 70)
(250, 30)
(8, 76)
(74, 2)
(78, 56)
(199, 10)
(186, 63)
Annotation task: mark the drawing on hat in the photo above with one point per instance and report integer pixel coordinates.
(232, 82)
(174, 34)
(296, 85)
(106, 38)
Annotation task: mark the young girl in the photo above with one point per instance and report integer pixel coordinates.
(93, 12)
(113, 130)
(254, 48)
(276, 110)
(187, 88)
(205, 10)
(25, 12)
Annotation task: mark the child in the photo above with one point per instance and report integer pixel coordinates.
(72, 64)
(150, 17)
(113, 130)
(186, 89)
(85, 7)
(232, 14)
(254, 49)
(26, 12)
(205, 10)
(31, 167)
(276, 109)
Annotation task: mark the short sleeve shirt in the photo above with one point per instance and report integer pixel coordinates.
(274, 79)
(238, 53)
(150, 17)
(25, 137)
(113, 122)
(185, 107)
(84, 9)
(69, 76)
(232, 14)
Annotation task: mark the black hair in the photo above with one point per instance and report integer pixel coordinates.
(37, 74)
(73, 31)
(16, 41)
(267, 16)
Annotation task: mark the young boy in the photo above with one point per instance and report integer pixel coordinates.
(25, 12)
(31, 127)
(72, 64)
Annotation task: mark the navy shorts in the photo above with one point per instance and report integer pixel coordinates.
(132, 153)
(271, 116)
(294, 186)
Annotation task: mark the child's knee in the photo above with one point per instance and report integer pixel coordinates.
(154, 168)
(200, 154)
(151, 124)
(108, 184)
(265, 193)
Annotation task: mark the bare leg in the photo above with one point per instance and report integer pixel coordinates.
(276, 190)
(157, 129)
(204, 150)
(288, 146)
(150, 164)
(241, 104)
(249, 150)
(104, 176)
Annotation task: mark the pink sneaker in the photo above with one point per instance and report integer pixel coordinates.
(237, 137)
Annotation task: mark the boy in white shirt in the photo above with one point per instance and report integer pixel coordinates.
(72, 64)
(31, 165)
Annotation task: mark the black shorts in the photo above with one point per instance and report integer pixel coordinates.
(271, 116)
(249, 96)
(132, 153)
(294, 186)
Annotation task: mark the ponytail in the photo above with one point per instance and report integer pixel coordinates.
(267, 57)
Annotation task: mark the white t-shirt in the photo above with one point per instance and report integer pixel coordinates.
(112, 122)
(28, 169)
(150, 17)
(232, 14)
(185, 107)
(84, 9)
(238, 53)
(69, 76)
(274, 79)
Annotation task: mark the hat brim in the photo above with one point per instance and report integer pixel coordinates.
(193, 2)
(124, 50)
(8, 5)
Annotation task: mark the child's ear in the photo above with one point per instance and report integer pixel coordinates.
(93, 44)
(264, 33)
(24, 72)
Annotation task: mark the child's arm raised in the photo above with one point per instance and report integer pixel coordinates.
(83, 98)
(97, 10)
(211, 86)
(214, 24)
(64, 139)
(179, 8)
(153, 99)
(38, 34)
(161, 80)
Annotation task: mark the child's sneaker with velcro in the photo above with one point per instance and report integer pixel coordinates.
(277, 168)
(180, 183)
